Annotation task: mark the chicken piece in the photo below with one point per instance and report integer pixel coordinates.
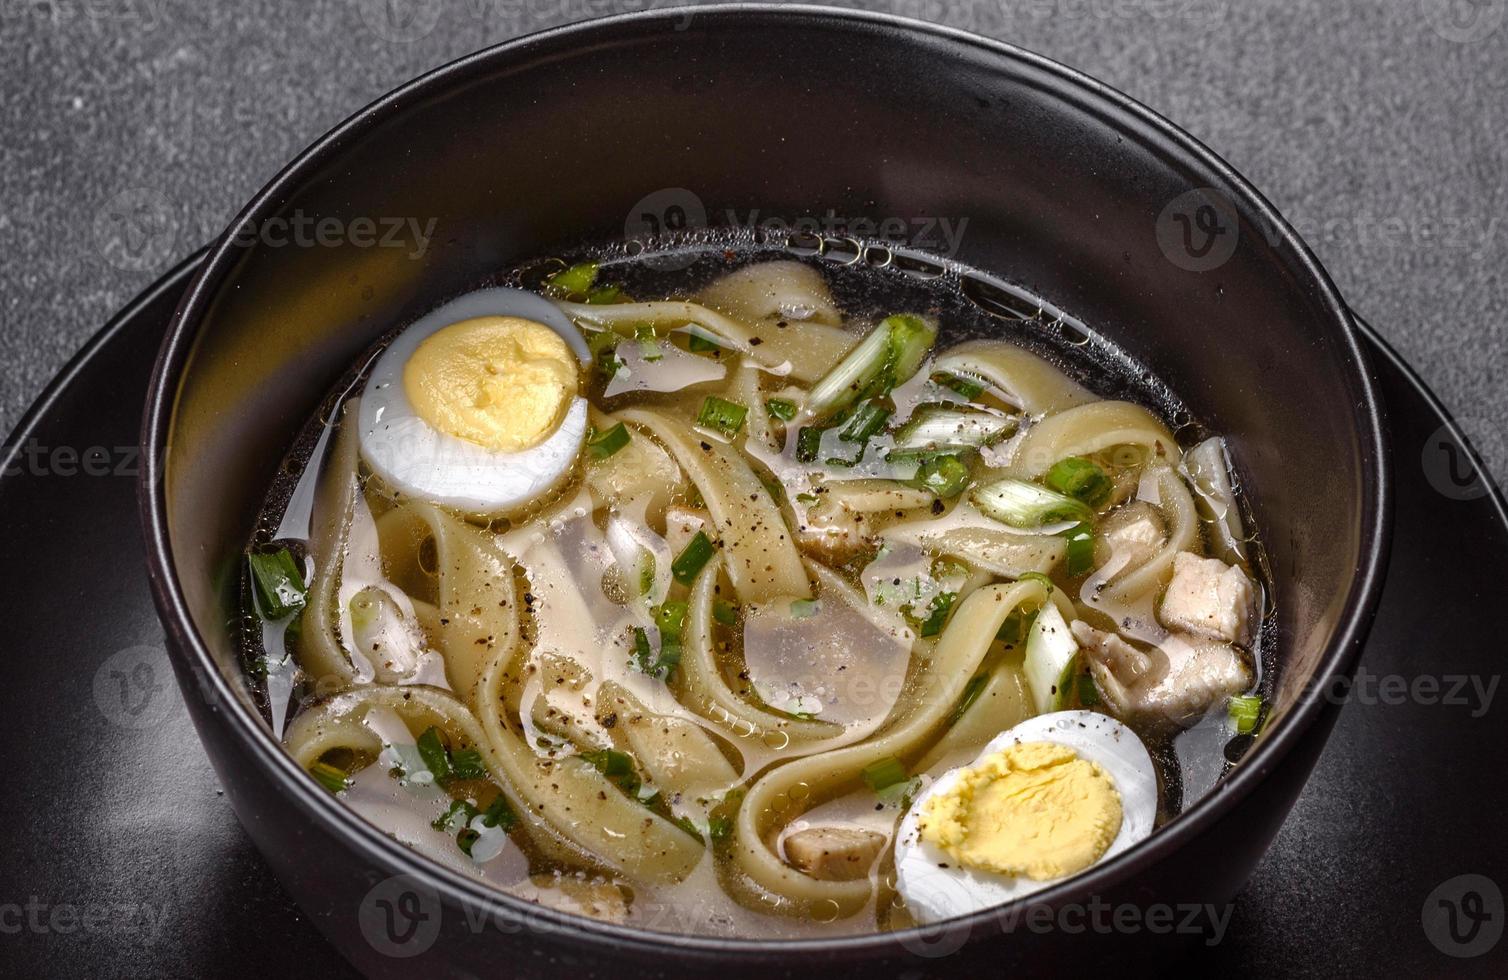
(1209, 598)
(833, 853)
(1177, 681)
(832, 533)
(577, 894)
(1136, 531)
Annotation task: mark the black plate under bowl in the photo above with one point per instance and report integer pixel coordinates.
(123, 860)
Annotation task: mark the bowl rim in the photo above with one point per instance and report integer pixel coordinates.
(1339, 658)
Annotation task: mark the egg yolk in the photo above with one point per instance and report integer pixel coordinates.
(1034, 809)
(501, 382)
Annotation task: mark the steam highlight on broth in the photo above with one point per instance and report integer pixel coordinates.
(725, 607)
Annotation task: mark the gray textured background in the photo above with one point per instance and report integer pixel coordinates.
(1378, 128)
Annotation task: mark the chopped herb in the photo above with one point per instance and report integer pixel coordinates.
(685, 824)
(968, 387)
(884, 773)
(616, 766)
(1245, 711)
(945, 476)
(1080, 479)
(721, 415)
(1067, 684)
(941, 604)
(500, 814)
(278, 583)
(332, 778)
(700, 343)
(719, 828)
(604, 348)
(1017, 626)
(1089, 691)
(458, 815)
(432, 750)
(467, 839)
(688, 564)
(971, 692)
(869, 419)
(887, 356)
(649, 342)
(808, 444)
(577, 280)
(780, 408)
(804, 608)
(1079, 555)
(467, 764)
(646, 572)
(725, 612)
(601, 445)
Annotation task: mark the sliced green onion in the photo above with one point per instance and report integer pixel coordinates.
(941, 604)
(1027, 505)
(869, 419)
(1051, 655)
(1245, 710)
(332, 778)
(575, 280)
(884, 773)
(644, 653)
(725, 612)
(808, 444)
(780, 408)
(671, 618)
(279, 584)
(646, 572)
(604, 348)
(655, 665)
(466, 839)
(721, 415)
(946, 476)
(1080, 479)
(604, 295)
(691, 559)
(467, 764)
(601, 445)
(947, 428)
(649, 343)
(1078, 557)
(432, 751)
(804, 608)
(886, 357)
(968, 387)
(971, 692)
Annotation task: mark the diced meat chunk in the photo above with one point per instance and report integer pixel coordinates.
(832, 533)
(833, 853)
(1208, 598)
(1130, 535)
(577, 894)
(1177, 681)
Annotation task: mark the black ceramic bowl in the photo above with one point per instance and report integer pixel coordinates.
(564, 137)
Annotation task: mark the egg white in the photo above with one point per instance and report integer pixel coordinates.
(934, 893)
(417, 459)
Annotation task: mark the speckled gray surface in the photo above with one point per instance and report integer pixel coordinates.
(1376, 127)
